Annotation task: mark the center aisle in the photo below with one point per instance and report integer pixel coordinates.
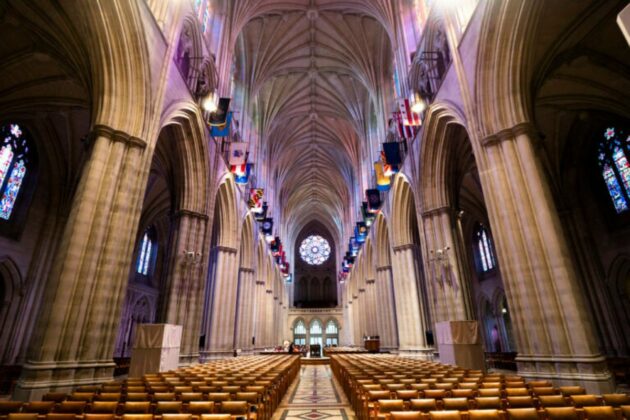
(315, 395)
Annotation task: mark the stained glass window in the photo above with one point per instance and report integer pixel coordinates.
(315, 250)
(14, 158)
(146, 254)
(332, 333)
(484, 249)
(615, 168)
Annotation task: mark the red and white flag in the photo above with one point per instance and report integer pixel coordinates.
(408, 116)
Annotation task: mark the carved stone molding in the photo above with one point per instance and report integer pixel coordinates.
(246, 270)
(384, 268)
(361, 290)
(227, 249)
(370, 281)
(260, 282)
(404, 247)
(436, 211)
(510, 133)
(118, 136)
(190, 213)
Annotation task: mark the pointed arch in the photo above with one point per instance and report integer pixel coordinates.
(225, 227)
(404, 220)
(381, 240)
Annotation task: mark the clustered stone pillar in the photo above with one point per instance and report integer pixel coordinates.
(372, 325)
(76, 330)
(447, 296)
(186, 281)
(259, 323)
(386, 314)
(246, 296)
(554, 336)
(223, 295)
(409, 312)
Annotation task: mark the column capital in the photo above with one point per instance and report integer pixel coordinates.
(384, 268)
(437, 211)
(361, 290)
(510, 133)
(260, 282)
(246, 270)
(355, 297)
(227, 249)
(269, 291)
(404, 247)
(370, 281)
(193, 214)
(118, 136)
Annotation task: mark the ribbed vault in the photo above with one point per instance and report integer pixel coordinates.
(311, 74)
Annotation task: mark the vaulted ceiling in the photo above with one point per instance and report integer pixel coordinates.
(312, 73)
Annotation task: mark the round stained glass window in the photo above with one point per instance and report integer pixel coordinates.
(315, 250)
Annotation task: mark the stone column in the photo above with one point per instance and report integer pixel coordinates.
(364, 316)
(370, 292)
(76, 330)
(268, 317)
(409, 312)
(186, 280)
(555, 338)
(259, 322)
(222, 309)
(386, 314)
(445, 286)
(245, 309)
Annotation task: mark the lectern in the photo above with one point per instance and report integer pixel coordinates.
(459, 343)
(155, 349)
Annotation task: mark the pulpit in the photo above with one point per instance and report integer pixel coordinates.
(459, 343)
(372, 344)
(155, 349)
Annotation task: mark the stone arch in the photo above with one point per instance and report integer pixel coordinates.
(381, 241)
(225, 227)
(193, 165)
(404, 230)
(189, 52)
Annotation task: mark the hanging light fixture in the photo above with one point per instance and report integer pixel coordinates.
(417, 103)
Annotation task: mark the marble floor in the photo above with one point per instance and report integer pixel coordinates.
(315, 395)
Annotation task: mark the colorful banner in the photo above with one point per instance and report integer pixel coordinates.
(238, 153)
(222, 130)
(221, 116)
(244, 178)
(255, 202)
(383, 182)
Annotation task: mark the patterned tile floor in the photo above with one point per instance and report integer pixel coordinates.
(315, 395)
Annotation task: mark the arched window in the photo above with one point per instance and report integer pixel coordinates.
(299, 333)
(14, 163)
(483, 249)
(613, 161)
(315, 332)
(146, 256)
(332, 333)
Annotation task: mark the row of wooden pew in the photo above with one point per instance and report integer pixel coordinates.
(397, 388)
(246, 387)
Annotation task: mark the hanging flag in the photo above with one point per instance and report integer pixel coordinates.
(255, 202)
(221, 116)
(360, 232)
(222, 130)
(238, 153)
(368, 216)
(239, 170)
(392, 153)
(275, 245)
(267, 226)
(244, 179)
(388, 170)
(373, 200)
(382, 182)
(278, 251)
(408, 116)
(404, 131)
(286, 268)
(262, 215)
